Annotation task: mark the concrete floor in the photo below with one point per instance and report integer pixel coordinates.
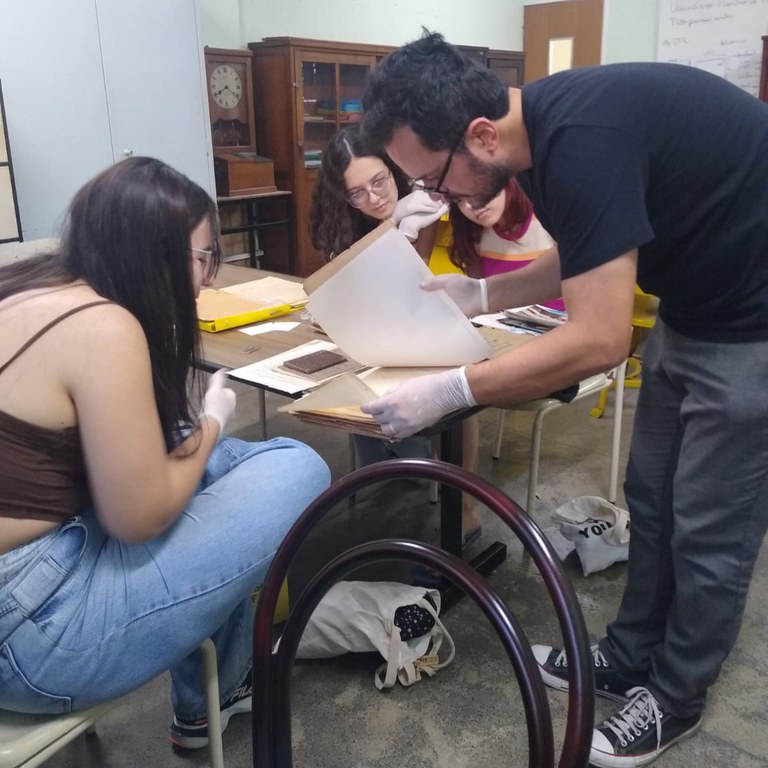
(469, 714)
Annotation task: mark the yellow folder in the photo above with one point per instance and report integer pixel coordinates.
(219, 311)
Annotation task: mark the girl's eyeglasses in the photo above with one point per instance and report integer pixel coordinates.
(359, 197)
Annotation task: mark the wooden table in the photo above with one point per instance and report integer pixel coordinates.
(234, 349)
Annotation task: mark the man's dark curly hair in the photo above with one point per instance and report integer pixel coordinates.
(435, 89)
(333, 223)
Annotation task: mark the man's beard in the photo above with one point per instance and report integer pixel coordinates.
(492, 178)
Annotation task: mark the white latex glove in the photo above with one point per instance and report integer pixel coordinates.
(219, 401)
(470, 295)
(409, 407)
(416, 211)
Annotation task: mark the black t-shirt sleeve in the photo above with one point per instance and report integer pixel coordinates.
(590, 187)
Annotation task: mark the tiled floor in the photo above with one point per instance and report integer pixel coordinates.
(469, 714)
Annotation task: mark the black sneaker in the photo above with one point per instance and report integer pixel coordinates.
(193, 734)
(553, 666)
(639, 733)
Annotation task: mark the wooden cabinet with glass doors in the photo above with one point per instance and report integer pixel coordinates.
(304, 91)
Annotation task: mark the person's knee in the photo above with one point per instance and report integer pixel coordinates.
(310, 466)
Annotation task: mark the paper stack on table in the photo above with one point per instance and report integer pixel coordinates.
(246, 303)
(270, 289)
(369, 302)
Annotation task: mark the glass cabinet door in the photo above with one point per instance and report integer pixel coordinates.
(331, 95)
(318, 109)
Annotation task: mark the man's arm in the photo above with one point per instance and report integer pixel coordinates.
(595, 338)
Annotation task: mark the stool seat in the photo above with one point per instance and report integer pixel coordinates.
(29, 740)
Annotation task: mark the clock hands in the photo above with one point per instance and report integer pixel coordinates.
(225, 88)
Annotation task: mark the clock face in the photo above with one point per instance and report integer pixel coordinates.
(226, 86)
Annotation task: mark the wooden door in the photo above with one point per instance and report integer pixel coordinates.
(547, 28)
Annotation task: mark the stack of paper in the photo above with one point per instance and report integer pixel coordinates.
(538, 315)
(369, 302)
(245, 303)
(270, 290)
(337, 402)
(219, 310)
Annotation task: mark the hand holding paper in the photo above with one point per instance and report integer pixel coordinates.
(470, 295)
(416, 211)
(420, 402)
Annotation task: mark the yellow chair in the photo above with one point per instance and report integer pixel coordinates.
(27, 741)
(643, 318)
(283, 601)
(439, 261)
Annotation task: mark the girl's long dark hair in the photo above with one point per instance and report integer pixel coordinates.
(333, 223)
(466, 234)
(127, 235)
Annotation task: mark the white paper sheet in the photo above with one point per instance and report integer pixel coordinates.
(374, 309)
(278, 325)
(265, 373)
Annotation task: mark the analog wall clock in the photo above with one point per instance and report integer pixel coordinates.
(230, 99)
(226, 86)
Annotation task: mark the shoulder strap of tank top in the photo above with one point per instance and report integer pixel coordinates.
(30, 341)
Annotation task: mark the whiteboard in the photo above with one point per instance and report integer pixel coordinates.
(721, 36)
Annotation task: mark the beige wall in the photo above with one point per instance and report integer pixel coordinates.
(629, 27)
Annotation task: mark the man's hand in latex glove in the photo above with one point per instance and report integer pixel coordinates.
(405, 409)
(469, 294)
(416, 211)
(219, 402)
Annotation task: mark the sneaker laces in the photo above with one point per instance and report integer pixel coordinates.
(641, 710)
(598, 660)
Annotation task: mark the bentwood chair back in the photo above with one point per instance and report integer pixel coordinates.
(272, 668)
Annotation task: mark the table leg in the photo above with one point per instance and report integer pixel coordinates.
(263, 412)
(450, 519)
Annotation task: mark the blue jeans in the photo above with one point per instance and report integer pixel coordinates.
(85, 618)
(697, 493)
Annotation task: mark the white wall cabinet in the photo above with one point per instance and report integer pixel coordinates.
(88, 82)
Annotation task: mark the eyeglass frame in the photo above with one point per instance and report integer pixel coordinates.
(378, 180)
(210, 262)
(419, 185)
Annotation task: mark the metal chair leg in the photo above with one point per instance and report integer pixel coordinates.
(212, 705)
(501, 413)
(613, 481)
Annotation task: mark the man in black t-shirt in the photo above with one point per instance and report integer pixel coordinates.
(649, 174)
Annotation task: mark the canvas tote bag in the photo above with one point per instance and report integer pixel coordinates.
(360, 616)
(598, 529)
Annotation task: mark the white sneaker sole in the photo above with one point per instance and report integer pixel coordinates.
(199, 742)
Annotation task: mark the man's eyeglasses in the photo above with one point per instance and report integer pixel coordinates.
(359, 197)
(422, 187)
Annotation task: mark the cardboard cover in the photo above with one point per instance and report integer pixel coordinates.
(369, 302)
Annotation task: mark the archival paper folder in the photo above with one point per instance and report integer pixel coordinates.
(370, 303)
(218, 311)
